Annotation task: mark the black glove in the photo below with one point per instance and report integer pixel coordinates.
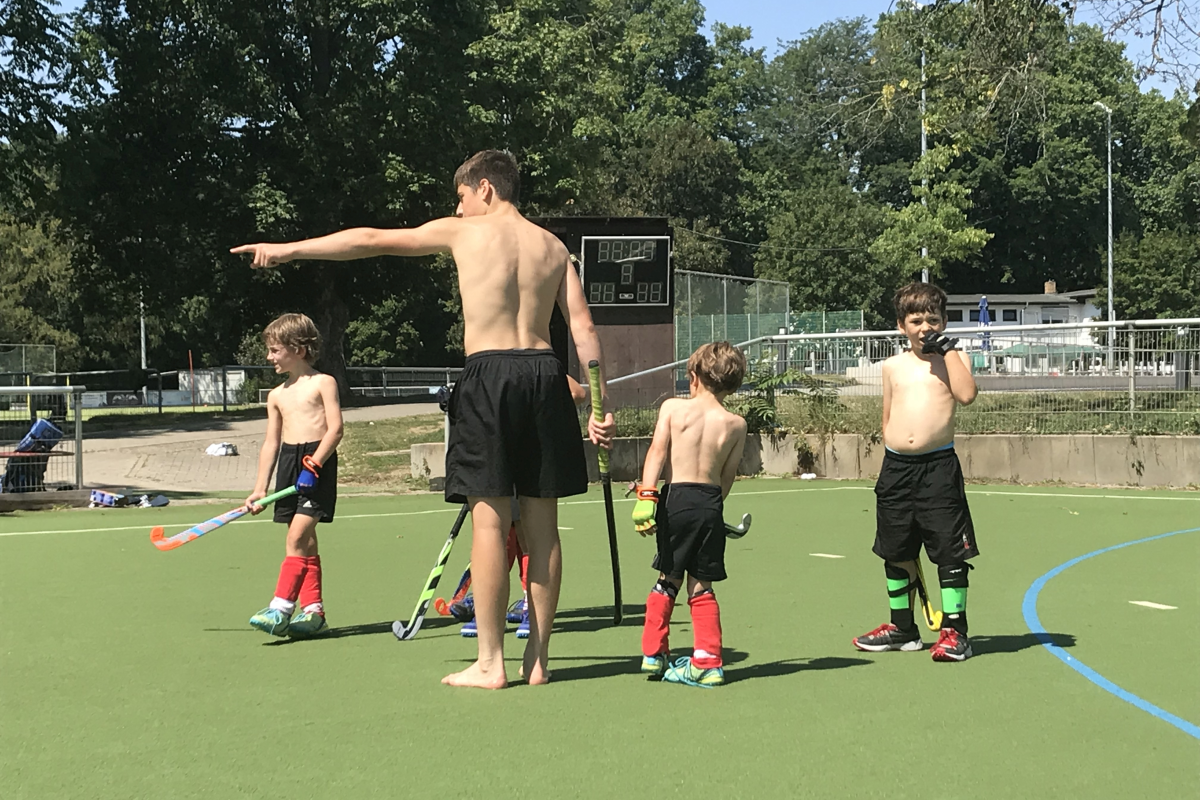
(939, 343)
(443, 398)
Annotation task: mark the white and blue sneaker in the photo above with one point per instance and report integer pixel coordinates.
(271, 620)
(517, 611)
(523, 627)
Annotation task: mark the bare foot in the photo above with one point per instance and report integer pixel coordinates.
(476, 677)
(533, 667)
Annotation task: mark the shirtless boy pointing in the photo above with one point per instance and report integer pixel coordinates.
(513, 422)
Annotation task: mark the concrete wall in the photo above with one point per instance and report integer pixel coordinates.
(1145, 461)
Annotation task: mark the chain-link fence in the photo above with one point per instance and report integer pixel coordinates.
(1135, 377)
(26, 358)
(711, 308)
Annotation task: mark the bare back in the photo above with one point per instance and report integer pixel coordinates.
(918, 406)
(704, 440)
(509, 274)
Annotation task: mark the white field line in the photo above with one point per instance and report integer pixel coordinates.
(1148, 604)
(631, 500)
(825, 555)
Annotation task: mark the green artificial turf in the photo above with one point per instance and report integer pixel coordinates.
(126, 672)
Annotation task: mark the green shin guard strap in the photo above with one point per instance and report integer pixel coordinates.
(900, 593)
(954, 600)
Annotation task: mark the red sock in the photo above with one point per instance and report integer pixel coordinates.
(525, 572)
(291, 574)
(706, 630)
(658, 624)
(310, 590)
(511, 547)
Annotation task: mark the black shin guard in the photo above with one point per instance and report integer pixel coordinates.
(664, 586)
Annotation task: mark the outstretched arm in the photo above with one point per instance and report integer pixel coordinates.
(436, 236)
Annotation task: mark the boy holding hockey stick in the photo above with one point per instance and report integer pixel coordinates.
(513, 424)
(920, 496)
(304, 426)
(704, 444)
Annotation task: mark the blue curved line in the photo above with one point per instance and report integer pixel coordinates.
(1029, 610)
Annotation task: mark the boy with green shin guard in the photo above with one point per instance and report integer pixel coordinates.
(920, 496)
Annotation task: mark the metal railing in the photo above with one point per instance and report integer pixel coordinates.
(1139, 376)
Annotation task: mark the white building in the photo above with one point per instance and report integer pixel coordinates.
(1049, 308)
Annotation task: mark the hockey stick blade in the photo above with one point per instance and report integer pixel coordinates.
(405, 632)
(164, 543)
(738, 531)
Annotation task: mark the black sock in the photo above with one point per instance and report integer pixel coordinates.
(902, 618)
(958, 622)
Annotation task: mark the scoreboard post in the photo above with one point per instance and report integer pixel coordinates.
(625, 267)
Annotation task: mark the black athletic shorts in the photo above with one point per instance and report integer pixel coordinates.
(513, 426)
(691, 532)
(919, 500)
(321, 503)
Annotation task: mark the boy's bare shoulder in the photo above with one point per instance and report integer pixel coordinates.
(737, 423)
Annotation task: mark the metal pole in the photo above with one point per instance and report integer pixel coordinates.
(1112, 317)
(142, 308)
(224, 389)
(1132, 371)
(77, 396)
(924, 181)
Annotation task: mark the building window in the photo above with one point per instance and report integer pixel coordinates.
(954, 315)
(975, 315)
(1010, 314)
(1054, 315)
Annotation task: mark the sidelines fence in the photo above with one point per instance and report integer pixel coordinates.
(28, 358)
(1138, 376)
(711, 307)
(41, 438)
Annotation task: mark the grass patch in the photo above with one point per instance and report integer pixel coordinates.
(376, 454)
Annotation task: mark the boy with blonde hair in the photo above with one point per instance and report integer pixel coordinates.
(703, 444)
(304, 426)
(920, 496)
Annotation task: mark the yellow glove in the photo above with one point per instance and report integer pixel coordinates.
(644, 510)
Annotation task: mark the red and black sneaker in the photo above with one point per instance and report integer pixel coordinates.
(951, 646)
(889, 637)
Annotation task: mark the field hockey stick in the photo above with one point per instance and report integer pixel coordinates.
(606, 481)
(464, 585)
(933, 618)
(196, 531)
(738, 531)
(405, 632)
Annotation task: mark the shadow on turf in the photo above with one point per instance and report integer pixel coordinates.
(983, 644)
(369, 629)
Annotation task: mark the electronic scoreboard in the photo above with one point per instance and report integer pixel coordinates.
(626, 270)
(625, 266)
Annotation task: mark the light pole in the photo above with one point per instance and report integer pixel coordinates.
(924, 182)
(1112, 317)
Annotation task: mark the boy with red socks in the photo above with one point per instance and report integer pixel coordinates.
(304, 426)
(704, 443)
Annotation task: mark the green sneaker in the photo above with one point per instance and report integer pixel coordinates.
(682, 671)
(306, 625)
(272, 621)
(655, 666)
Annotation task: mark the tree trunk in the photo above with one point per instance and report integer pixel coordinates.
(333, 316)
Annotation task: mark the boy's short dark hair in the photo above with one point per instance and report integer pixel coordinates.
(295, 331)
(499, 167)
(919, 298)
(719, 366)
